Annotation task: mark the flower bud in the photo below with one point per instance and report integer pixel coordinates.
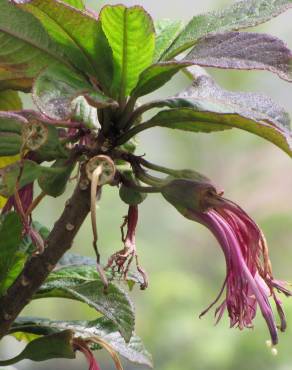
(186, 194)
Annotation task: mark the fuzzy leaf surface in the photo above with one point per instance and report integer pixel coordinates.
(83, 283)
(166, 31)
(243, 50)
(240, 15)
(56, 88)
(205, 107)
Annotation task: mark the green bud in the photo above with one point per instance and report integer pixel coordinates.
(54, 184)
(186, 194)
(128, 195)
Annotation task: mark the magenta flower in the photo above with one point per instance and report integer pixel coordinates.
(81, 346)
(26, 197)
(249, 280)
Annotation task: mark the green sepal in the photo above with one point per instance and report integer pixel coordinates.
(128, 195)
(55, 184)
(188, 194)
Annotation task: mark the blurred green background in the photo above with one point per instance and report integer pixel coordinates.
(183, 260)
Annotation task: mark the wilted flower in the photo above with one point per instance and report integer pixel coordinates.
(249, 280)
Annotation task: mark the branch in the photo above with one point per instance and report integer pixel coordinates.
(38, 268)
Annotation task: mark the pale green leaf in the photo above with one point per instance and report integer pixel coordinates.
(130, 33)
(166, 32)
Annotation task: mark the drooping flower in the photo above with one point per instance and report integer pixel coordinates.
(81, 346)
(249, 279)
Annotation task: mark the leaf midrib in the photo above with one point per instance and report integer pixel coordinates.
(124, 58)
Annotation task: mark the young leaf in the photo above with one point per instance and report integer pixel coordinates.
(78, 33)
(156, 76)
(242, 50)
(58, 345)
(130, 33)
(240, 15)
(166, 31)
(25, 48)
(102, 328)
(56, 88)
(205, 107)
(10, 237)
(83, 283)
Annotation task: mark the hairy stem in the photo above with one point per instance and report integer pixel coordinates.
(38, 268)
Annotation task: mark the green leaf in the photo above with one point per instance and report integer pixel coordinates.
(134, 351)
(10, 256)
(243, 50)
(73, 259)
(25, 48)
(53, 148)
(75, 3)
(30, 172)
(11, 122)
(83, 283)
(56, 88)
(156, 76)
(10, 144)
(240, 15)
(25, 248)
(166, 32)
(58, 345)
(55, 184)
(205, 107)
(127, 30)
(78, 33)
(9, 100)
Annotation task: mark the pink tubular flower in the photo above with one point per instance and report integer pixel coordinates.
(81, 346)
(249, 280)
